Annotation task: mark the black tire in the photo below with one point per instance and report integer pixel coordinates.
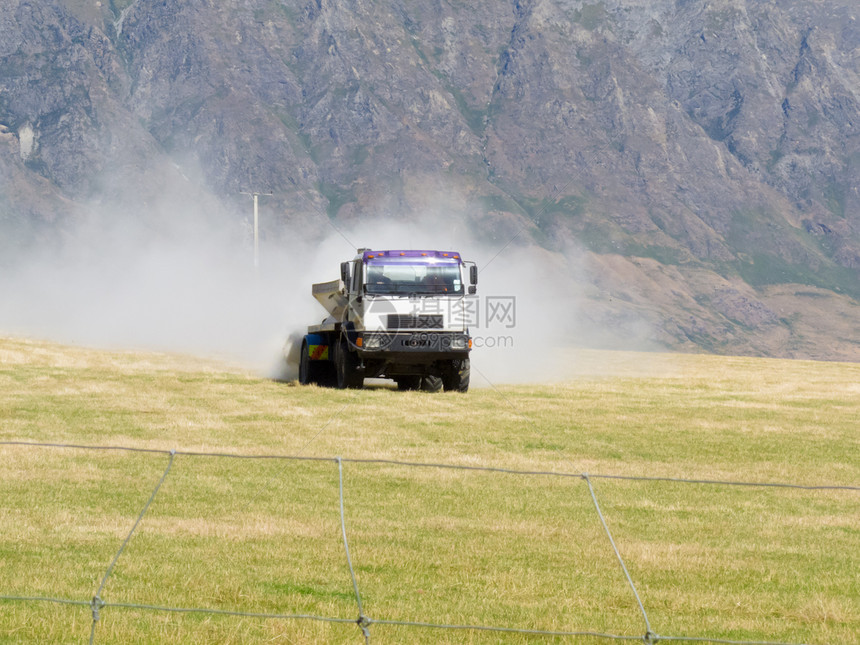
(346, 368)
(305, 377)
(310, 372)
(408, 382)
(431, 384)
(457, 378)
(327, 376)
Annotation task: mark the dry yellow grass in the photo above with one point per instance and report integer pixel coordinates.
(435, 545)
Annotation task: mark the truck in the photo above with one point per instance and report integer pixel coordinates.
(396, 314)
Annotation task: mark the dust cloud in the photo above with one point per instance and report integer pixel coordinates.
(180, 277)
(187, 284)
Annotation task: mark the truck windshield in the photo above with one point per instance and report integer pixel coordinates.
(413, 278)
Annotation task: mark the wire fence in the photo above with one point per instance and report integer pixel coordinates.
(364, 623)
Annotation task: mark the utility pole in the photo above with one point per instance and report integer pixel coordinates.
(256, 196)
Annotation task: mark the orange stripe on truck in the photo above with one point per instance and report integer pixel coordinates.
(318, 352)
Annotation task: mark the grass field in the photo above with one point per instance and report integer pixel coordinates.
(431, 545)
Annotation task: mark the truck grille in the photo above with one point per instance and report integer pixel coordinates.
(405, 321)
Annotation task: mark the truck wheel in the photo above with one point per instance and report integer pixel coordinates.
(431, 383)
(327, 376)
(305, 365)
(319, 372)
(456, 379)
(346, 368)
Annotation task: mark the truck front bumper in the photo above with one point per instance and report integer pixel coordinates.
(414, 342)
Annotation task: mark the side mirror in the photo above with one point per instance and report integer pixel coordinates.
(344, 274)
(473, 274)
(473, 290)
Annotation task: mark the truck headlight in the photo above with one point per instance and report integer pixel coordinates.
(458, 342)
(375, 341)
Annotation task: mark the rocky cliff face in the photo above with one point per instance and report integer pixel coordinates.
(704, 155)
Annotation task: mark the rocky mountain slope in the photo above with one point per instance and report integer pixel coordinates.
(699, 158)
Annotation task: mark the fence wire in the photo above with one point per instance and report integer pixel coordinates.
(423, 464)
(97, 602)
(649, 635)
(364, 622)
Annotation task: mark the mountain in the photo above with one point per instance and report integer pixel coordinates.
(701, 157)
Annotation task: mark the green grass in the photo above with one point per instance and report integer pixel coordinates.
(429, 545)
